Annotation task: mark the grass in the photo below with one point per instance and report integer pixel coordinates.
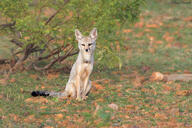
(5, 47)
(148, 104)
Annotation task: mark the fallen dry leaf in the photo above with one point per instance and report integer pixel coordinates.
(127, 30)
(100, 100)
(14, 117)
(29, 119)
(118, 24)
(58, 116)
(130, 107)
(113, 106)
(178, 86)
(63, 123)
(43, 87)
(106, 81)
(117, 33)
(167, 37)
(97, 86)
(151, 50)
(161, 116)
(159, 42)
(188, 18)
(184, 92)
(152, 26)
(137, 82)
(148, 30)
(139, 24)
(51, 76)
(68, 117)
(3, 81)
(151, 38)
(139, 34)
(117, 46)
(69, 16)
(145, 68)
(36, 100)
(26, 37)
(166, 87)
(12, 80)
(48, 127)
(127, 126)
(48, 11)
(33, 76)
(43, 107)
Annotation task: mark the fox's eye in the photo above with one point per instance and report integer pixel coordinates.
(83, 44)
(89, 44)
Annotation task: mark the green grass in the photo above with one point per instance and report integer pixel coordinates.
(5, 47)
(147, 105)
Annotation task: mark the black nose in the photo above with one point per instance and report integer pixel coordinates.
(86, 50)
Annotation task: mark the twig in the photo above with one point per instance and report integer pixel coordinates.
(27, 52)
(16, 42)
(48, 66)
(51, 17)
(65, 69)
(4, 61)
(67, 55)
(8, 25)
(55, 51)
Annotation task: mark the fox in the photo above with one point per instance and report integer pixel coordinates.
(79, 83)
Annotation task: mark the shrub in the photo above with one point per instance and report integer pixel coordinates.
(44, 29)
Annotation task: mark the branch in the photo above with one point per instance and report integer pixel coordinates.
(51, 17)
(55, 51)
(20, 44)
(8, 25)
(27, 52)
(48, 66)
(52, 53)
(16, 42)
(4, 61)
(64, 57)
(65, 69)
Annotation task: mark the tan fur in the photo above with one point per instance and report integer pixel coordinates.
(84, 74)
(79, 84)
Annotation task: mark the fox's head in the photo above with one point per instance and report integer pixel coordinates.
(86, 44)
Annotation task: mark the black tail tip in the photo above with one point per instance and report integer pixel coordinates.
(39, 93)
(35, 93)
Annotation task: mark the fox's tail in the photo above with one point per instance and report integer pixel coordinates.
(46, 93)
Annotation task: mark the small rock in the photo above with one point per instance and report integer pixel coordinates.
(113, 106)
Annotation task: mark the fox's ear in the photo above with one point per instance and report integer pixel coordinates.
(78, 34)
(93, 34)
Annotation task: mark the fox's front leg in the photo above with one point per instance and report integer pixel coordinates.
(85, 86)
(78, 88)
(87, 90)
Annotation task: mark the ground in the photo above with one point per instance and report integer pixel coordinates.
(160, 42)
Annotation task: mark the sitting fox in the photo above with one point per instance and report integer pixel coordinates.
(78, 85)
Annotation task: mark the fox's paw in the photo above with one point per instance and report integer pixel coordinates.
(84, 97)
(78, 99)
